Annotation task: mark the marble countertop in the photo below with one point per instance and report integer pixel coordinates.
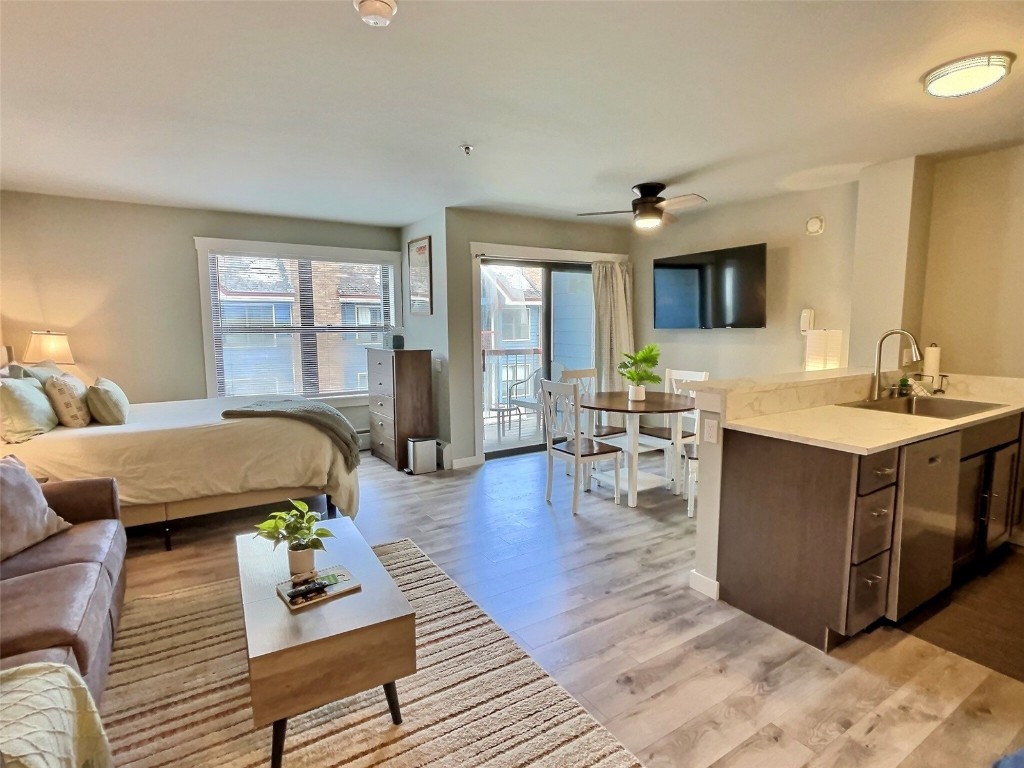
(862, 431)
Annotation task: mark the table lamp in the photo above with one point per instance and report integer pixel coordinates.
(47, 345)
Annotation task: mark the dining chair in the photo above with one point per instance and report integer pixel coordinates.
(587, 380)
(563, 438)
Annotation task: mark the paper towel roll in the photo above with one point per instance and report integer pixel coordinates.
(931, 363)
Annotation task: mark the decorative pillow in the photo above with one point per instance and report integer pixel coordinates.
(47, 369)
(67, 396)
(108, 402)
(24, 410)
(25, 519)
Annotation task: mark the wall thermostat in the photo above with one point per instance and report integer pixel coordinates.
(815, 225)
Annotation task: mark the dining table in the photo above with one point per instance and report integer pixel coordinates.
(654, 403)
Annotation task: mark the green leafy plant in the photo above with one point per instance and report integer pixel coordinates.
(296, 526)
(638, 368)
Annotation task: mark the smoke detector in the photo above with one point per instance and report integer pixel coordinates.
(376, 13)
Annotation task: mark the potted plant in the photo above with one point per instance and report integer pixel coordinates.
(297, 527)
(638, 369)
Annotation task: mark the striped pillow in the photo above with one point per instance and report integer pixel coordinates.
(67, 396)
(108, 402)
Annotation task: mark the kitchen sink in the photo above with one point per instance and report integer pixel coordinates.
(935, 407)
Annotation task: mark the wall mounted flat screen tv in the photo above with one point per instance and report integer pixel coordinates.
(714, 289)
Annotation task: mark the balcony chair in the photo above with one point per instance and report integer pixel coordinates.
(563, 438)
(525, 394)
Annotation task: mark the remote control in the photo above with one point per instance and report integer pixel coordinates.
(307, 589)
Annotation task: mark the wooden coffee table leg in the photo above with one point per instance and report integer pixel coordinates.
(277, 745)
(391, 692)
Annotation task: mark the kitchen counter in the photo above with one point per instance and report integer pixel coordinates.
(862, 431)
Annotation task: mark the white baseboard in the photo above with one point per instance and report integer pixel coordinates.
(704, 585)
(469, 461)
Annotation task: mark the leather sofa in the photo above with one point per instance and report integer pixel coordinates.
(61, 599)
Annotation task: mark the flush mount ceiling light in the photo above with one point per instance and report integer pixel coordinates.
(376, 13)
(646, 214)
(968, 75)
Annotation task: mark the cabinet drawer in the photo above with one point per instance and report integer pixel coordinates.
(383, 447)
(382, 426)
(877, 471)
(380, 376)
(382, 405)
(869, 585)
(991, 434)
(872, 524)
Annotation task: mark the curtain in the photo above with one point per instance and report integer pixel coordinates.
(613, 320)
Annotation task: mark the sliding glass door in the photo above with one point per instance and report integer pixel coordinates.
(536, 320)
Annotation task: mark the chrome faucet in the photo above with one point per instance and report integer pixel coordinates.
(915, 354)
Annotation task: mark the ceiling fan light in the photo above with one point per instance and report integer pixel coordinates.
(967, 75)
(646, 215)
(376, 13)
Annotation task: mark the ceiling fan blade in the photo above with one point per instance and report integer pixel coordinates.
(682, 202)
(602, 213)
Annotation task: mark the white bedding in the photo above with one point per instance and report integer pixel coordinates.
(184, 450)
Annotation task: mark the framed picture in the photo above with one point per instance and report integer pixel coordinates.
(421, 294)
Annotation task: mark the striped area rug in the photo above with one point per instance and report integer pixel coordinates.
(178, 692)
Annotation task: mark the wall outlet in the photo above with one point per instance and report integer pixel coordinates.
(711, 431)
(437, 364)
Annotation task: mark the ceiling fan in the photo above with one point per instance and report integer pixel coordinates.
(649, 207)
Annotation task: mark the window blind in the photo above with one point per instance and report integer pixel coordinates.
(284, 325)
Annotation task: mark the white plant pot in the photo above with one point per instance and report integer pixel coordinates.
(637, 392)
(301, 561)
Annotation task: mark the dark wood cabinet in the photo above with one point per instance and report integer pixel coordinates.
(401, 401)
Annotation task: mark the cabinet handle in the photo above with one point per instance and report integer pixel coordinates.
(380, 404)
(872, 580)
(934, 459)
(885, 472)
(380, 442)
(380, 423)
(879, 512)
(379, 363)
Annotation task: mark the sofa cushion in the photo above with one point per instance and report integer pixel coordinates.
(62, 655)
(96, 541)
(25, 518)
(64, 606)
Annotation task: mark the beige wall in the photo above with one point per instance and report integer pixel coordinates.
(803, 272)
(122, 280)
(465, 226)
(974, 288)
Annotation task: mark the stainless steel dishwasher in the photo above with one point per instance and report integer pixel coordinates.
(925, 524)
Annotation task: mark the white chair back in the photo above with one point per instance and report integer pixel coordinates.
(586, 378)
(561, 412)
(675, 384)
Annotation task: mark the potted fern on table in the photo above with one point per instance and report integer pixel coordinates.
(297, 527)
(638, 370)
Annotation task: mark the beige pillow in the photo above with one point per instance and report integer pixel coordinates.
(25, 519)
(25, 410)
(68, 397)
(108, 402)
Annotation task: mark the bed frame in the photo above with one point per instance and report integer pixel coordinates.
(166, 513)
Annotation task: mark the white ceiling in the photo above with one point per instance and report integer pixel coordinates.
(297, 108)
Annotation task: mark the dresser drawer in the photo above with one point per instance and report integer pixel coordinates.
(869, 585)
(877, 471)
(872, 524)
(380, 376)
(382, 426)
(382, 405)
(383, 447)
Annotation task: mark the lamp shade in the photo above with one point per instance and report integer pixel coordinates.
(47, 345)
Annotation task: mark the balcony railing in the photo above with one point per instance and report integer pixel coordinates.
(504, 367)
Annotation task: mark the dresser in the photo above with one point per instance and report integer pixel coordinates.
(401, 401)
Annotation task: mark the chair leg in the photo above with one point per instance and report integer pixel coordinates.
(576, 482)
(588, 472)
(551, 471)
(691, 487)
(617, 457)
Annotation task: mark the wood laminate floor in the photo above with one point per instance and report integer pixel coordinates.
(601, 601)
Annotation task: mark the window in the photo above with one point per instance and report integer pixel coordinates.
(293, 324)
(515, 324)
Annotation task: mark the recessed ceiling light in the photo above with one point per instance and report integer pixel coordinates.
(968, 75)
(376, 13)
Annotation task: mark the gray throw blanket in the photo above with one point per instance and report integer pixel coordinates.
(324, 417)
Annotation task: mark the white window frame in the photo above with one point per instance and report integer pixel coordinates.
(207, 245)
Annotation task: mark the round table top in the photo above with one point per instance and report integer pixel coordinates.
(619, 402)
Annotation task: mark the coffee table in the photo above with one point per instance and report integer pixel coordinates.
(301, 660)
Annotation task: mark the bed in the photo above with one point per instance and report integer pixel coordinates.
(180, 459)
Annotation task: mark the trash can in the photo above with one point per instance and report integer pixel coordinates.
(422, 455)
